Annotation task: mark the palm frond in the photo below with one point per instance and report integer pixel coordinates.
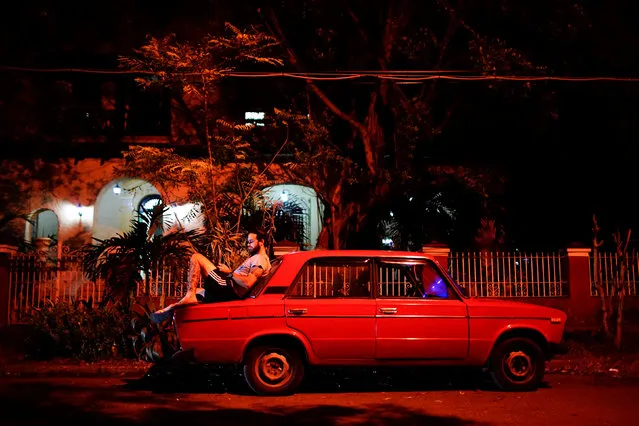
(125, 260)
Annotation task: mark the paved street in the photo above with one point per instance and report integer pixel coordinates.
(565, 400)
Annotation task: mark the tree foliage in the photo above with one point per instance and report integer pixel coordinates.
(388, 130)
(226, 181)
(613, 294)
(20, 181)
(362, 147)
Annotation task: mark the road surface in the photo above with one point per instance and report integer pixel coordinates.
(325, 400)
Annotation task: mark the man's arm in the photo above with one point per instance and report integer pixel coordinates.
(247, 281)
(223, 268)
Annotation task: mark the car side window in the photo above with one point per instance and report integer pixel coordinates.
(411, 280)
(334, 279)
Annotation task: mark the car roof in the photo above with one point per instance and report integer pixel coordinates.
(295, 260)
(292, 262)
(303, 256)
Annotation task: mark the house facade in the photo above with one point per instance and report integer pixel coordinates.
(83, 195)
(95, 202)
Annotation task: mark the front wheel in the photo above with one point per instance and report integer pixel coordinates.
(272, 370)
(517, 364)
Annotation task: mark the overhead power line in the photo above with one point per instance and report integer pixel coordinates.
(395, 75)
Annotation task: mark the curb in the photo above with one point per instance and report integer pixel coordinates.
(85, 375)
(37, 369)
(558, 364)
(44, 369)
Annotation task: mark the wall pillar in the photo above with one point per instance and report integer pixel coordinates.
(439, 251)
(4, 289)
(583, 309)
(284, 247)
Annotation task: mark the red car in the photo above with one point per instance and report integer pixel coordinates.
(367, 308)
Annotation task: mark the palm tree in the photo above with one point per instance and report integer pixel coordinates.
(125, 260)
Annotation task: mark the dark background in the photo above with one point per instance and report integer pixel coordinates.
(564, 159)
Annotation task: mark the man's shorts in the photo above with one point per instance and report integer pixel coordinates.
(218, 288)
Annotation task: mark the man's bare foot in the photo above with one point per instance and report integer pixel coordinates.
(163, 314)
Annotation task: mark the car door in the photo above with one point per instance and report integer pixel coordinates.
(419, 316)
(331, 302)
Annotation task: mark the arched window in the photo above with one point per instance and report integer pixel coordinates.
(45, 225)
(299, 215)
(147, 203)
(291, 221)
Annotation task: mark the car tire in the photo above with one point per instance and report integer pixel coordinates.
(273, 370)
(517, 364)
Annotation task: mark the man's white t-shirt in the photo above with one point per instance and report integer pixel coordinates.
(259, 260)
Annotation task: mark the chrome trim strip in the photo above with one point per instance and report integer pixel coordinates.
(233, 319)
(331, 316)
(421, 316)
(512, 318)
(376, 315)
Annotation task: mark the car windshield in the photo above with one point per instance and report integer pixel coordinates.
(451, 280)
(261, 283)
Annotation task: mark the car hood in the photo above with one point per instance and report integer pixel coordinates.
(511, 309)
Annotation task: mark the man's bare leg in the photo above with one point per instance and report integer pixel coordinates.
(199, 268)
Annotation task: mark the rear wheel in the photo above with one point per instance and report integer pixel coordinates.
(273, 370)
(517, 364)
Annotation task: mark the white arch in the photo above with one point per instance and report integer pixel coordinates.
(118, 202)
(43, 230)
(44, 224)
(306, 196)
(114, 210)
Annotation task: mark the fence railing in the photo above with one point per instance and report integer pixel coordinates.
(482, 274)
(501, 274)
(167, 279)
(32, 281)
(609, 270)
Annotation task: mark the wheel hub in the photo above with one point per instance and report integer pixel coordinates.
(519, 364)
(274, 367)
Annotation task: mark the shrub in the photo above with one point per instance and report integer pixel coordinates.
(76, 330)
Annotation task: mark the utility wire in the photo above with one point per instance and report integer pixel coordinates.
(395, 75)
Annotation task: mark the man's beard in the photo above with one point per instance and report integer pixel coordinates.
(255, 251)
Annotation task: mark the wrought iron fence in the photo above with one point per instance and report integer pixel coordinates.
(609, 270)
(483, 274)
(504, 274)
(33, 281)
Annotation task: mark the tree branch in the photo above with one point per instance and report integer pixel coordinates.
(359, 127)
(446, 119)
(267, 166)
(390, 34)
(386, 57)
(188, 113)
(453, 13)
(355, 19)
(443, 45)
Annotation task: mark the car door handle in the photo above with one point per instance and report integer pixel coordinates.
(297, 311)
(388, 310)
